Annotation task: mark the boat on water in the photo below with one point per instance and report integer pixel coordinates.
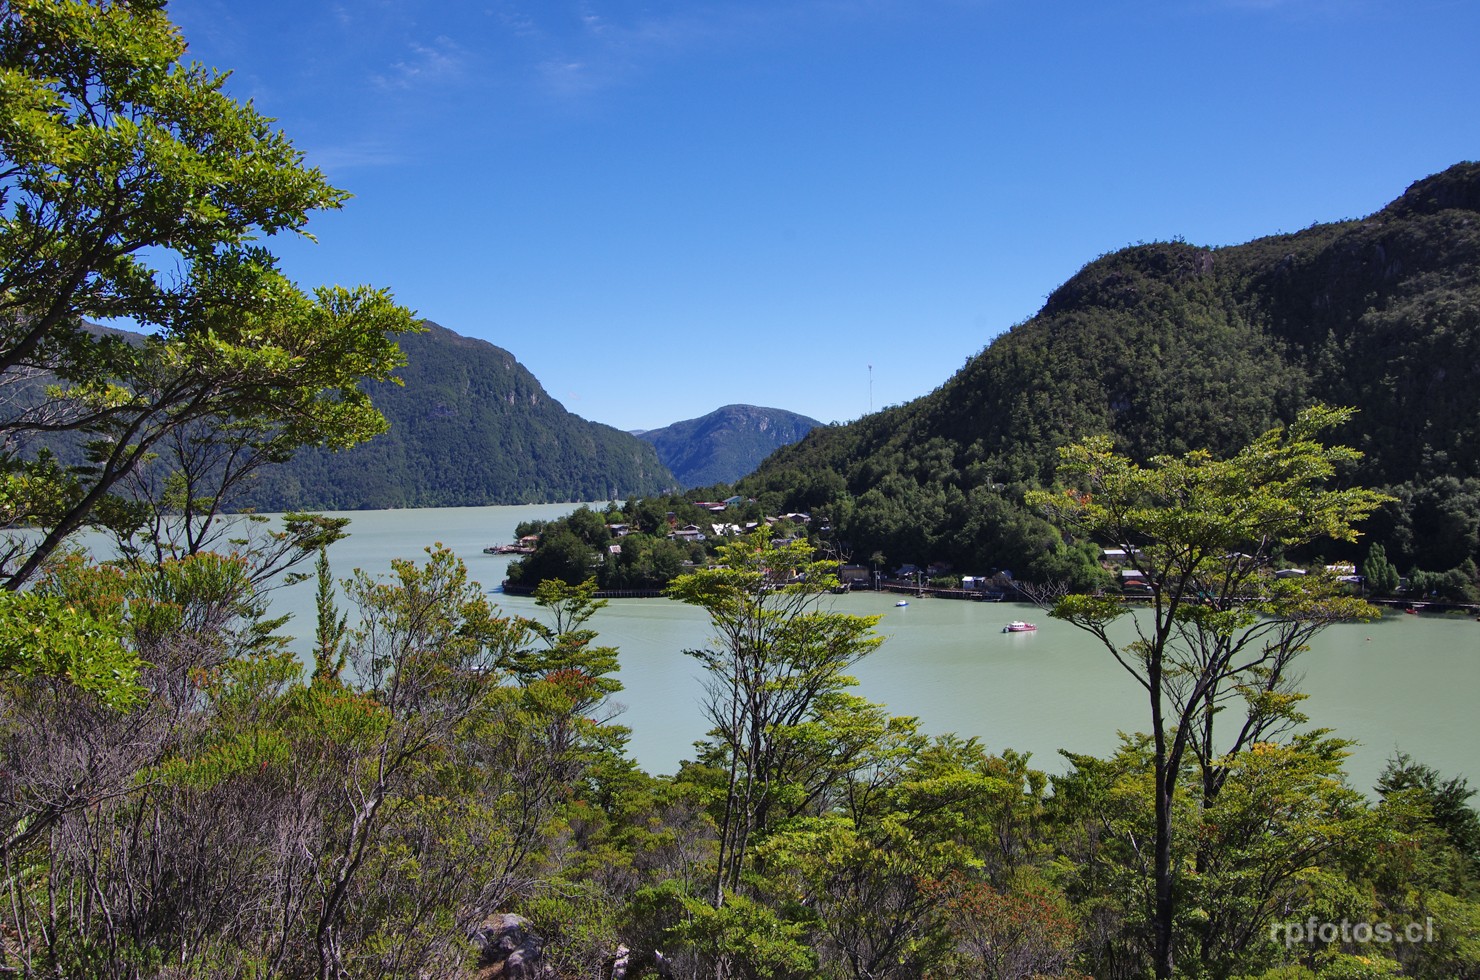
(902, 602)
(1018, 626)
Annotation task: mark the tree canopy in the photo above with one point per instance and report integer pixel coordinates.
(133, 188)
(1222, 629)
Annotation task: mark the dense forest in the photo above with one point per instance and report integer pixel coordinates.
(469, 426)
(1170, 347)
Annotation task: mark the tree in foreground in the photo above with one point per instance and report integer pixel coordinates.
(221, 814)
(1221, 629)
(133, 188)
(779, 746)
(776, 662)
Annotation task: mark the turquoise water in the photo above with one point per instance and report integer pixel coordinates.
(1406, 682)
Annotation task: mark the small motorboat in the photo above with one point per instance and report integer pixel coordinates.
(1018, 626)
(902, 602)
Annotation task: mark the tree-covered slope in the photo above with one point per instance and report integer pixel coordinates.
(471, 426)
(1169, 347)
(726, 444)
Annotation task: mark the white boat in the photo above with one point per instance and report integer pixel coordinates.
(1018, 626)
(901, 603)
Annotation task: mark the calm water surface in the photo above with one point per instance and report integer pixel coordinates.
(1407, 682)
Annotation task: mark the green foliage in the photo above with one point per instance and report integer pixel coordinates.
(1221, 628)
(1168, 348)
(1380, 575)
(581, 545)
(1460, 584)
(330, 627)
(1252, 869)
(469, 426)
(463, 763)
(747, 937)
(134, 188)
(47, 636)
(775, 671)
(1443, 803)
(1270, 491)
(432, 780)
(560, 557)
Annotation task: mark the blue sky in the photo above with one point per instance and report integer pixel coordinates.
(661, 208)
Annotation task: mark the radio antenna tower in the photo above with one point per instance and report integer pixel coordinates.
(871, 389)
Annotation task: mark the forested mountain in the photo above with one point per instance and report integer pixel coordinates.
(726, 444)
(471, 426)
(1170, 346)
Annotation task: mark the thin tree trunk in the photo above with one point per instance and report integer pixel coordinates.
(1161, 918)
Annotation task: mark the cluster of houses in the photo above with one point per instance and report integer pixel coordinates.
(1130, 579)
(1133, 580)
(864, 577)
(694, 532)
(792, 526)
(681, 533)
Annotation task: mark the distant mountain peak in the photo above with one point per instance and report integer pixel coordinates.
(726, 444)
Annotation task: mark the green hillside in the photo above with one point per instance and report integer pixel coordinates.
(1170, 346)
(726, 444)
(471, 426)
